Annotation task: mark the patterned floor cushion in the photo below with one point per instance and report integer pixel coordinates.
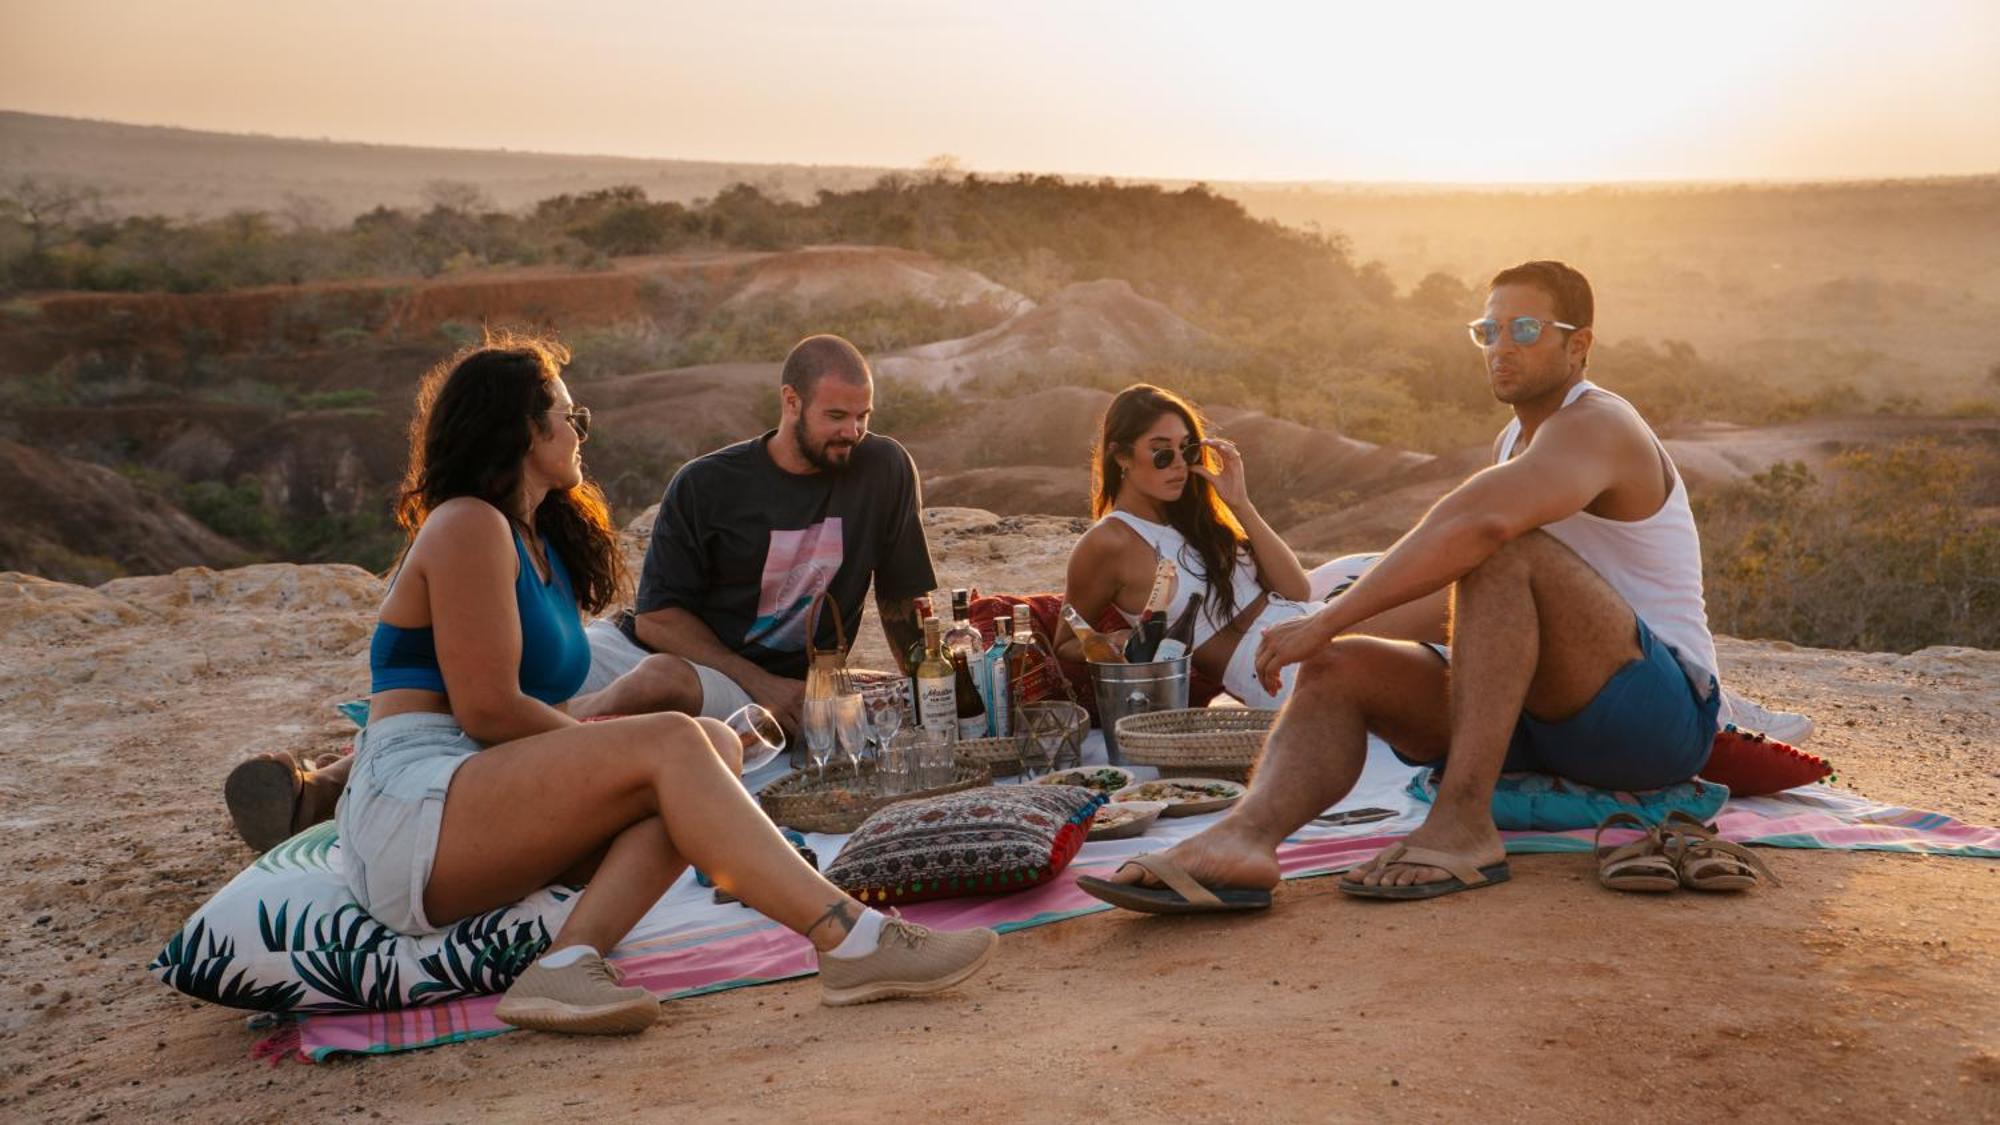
(987, 841)
(1542, 802)
(286, 936)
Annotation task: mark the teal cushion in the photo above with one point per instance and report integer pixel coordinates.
(1542, 802)
(287, 936)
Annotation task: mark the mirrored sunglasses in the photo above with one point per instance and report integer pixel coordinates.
(1524, 330)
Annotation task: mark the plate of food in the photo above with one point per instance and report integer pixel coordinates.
(1121, 819)
(1101, 779)
(1184, 796)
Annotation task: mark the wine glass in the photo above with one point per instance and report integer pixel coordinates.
(758, 730)
(886, 717)
(850, 724)
(817, 719)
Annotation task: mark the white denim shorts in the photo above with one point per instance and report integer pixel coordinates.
(391, 810)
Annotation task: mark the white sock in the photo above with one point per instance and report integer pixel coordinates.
(566, 956)
(862, 939)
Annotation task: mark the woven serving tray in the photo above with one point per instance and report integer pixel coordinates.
(1220, 742)
(800, 801)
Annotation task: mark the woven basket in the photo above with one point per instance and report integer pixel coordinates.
(1218, 742)
(1000, 755)
(800, 801)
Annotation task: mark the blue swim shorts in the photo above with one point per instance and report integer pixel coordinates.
(1646, 728)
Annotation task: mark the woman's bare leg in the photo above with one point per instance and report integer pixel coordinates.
(520, 815)
(660, 682)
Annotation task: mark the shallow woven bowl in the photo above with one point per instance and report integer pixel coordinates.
(799, 801)
(1219, 742)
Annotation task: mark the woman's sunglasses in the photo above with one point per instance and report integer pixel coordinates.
(578, 419)
(1524, 330)
(1189, 452)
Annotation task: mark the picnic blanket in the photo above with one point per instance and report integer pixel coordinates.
(687, 945)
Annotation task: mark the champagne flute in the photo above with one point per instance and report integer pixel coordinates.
(851, 727)
(758, 730)
(817, 719)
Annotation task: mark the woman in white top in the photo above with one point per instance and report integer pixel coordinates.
(1160, 488)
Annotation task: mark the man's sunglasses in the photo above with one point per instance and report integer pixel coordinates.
(578, 419)
(1189, 452)
(1524, 330)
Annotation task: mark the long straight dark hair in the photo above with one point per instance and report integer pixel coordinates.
(477, 416)
(1198, 513)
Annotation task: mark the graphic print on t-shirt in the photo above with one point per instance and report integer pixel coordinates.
(798, 568)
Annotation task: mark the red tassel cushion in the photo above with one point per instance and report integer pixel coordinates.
(990, 841)
(1752, 765)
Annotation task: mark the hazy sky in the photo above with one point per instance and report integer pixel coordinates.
(1486, 92)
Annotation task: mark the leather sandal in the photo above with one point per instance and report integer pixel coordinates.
(1704, 861)
(1642, 865)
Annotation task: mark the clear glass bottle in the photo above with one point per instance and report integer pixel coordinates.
(937, 694)
(999, 697)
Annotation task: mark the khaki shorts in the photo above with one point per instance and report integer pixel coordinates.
(612, 655)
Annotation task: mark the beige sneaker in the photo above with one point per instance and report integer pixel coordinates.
(584, 998)
(910, 960)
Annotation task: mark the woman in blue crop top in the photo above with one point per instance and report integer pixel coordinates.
(1161, 487)
(473, 787)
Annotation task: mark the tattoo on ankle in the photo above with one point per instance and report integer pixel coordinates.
(846, 912)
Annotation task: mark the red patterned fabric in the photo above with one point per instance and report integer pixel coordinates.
(1752, 765)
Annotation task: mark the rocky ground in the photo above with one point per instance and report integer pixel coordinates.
(1862, 989)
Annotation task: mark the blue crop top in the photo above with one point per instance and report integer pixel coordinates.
(555, 656)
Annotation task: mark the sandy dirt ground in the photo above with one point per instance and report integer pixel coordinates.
(1865, 988)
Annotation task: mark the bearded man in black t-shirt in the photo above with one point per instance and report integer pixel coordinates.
(749, 535)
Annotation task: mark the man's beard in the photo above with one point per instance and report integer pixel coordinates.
(817, 456)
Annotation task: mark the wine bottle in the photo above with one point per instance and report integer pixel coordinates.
(1180, 635)
(1152, 626)
(999, 699)
(960, 637)
(1097, 648)
(937, 704)
(971, 709)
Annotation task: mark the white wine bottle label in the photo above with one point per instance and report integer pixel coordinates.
(937, 703)
(972, 726)
(1170, 649)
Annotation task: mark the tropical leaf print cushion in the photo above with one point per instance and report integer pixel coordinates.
(286, 936)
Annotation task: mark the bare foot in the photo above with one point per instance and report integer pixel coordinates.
(1216, 858)
(1478, 844)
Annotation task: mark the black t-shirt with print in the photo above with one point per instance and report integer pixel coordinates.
(745, 545)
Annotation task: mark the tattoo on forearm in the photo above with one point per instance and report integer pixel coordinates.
(846, 912)
(899, 625)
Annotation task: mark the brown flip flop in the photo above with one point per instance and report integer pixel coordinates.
(1180, 894)
(1464, 876)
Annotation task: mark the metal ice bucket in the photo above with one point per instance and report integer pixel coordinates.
(1134, 689)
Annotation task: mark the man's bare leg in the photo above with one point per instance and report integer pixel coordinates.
(1534, 628)
(660, 682)
(1315, 753)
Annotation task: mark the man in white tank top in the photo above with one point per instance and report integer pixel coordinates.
(1580, 645)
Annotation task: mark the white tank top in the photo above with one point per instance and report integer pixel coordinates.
(1170, 543)
(1653, 563)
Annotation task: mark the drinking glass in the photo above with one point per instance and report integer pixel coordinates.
(758, 730)
(886, 716)
(850, 724)
(817, 719)
(896, 770)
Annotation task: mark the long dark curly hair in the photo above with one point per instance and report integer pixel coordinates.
(1198, 514)
(476, 418)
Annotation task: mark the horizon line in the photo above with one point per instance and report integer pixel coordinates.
(1074, 176)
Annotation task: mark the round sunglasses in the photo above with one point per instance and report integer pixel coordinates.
(578, 419)
(1190, 452)
(1524, 330)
